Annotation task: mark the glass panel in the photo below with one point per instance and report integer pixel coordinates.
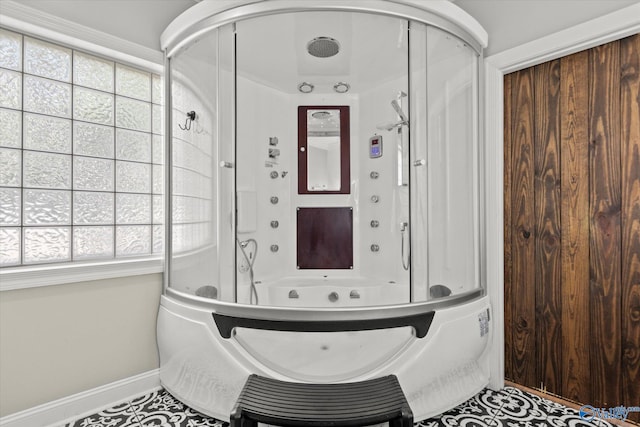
(47, 207)
(158, 209)
(9, 246)
(157, 179)
(92, 174)
(133, 177)
(133, 114)
(47, 97)
(10, 167)
(44, 170)
(92, 242)
(132, 145)
(93, 208)
(158, 239)
(10, 50)
(93, 72)
(157, 149)
(451, 213)
(133, 83)
(10, 206)
(46, 133)
(47, 60)
(193, 90)
(10, 128)
(92, 106)
(157, 95)
(156, 125)
(11, 93)
(46, 244)
(133, 209)
(92, 140)
(133, 240)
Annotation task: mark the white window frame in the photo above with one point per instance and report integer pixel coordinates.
(23, 19)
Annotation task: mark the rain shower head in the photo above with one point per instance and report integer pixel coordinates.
(323, 47)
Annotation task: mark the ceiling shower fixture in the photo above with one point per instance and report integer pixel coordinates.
(341, 87)
(305, 87)
(323, 47)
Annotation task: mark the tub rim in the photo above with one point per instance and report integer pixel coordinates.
(330, 314)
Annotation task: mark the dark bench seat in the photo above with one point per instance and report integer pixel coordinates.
(283, 403)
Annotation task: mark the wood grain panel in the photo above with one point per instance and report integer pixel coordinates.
(547, 224)
(574, 101)
(324, 238)
(523, 221)
(508, 283)
(630, 219)
(605, 237)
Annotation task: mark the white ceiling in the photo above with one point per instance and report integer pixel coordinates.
(509, 23)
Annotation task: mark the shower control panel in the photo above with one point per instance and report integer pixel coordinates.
(375, 146)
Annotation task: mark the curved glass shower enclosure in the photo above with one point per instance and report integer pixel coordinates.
(332, 162)
(324, 199)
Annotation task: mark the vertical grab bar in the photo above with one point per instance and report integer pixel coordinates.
(403, 230)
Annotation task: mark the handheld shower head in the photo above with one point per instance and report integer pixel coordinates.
(401, 114)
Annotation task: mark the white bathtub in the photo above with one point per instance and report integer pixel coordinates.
(326, 292)
(207, 371)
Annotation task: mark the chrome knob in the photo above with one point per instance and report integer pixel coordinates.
(375, 199)
(274, 175)
(333, 296)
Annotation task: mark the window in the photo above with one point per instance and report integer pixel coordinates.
(80, 155)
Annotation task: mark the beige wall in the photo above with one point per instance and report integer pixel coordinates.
(56, 341)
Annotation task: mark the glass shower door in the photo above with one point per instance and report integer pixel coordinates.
(445, 210)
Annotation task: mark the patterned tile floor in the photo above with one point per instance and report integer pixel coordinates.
(509, 407)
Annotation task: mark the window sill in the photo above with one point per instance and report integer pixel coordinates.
(56, 274)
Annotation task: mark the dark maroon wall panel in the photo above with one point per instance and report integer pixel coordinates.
(325, 238)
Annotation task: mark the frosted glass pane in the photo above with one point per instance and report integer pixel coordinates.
(156, 124)
(133, 114)
(133, 83)
(10, 168)
(10, 50)
(9, 246)
(46, 133)
(11, 93)
(9, 206)
(92, 242)
(47, 244)
(47, 207)
(133, 145)
(92, 106)
(93, 72)
(133, 177)
(47, 97)
(133, 240)
(156, 89)
(92, 208)
(10, 128)
(92, 140)
(158, 239)
(133, 209)
(92, 174)
(158, 210)
(157, 149)
(157, 179)
(47, 60)
(44, 170)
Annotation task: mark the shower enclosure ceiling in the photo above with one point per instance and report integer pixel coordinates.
(361, 192)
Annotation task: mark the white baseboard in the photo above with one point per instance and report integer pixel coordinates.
(67, 409)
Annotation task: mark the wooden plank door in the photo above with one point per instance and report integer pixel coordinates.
(572, 225)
